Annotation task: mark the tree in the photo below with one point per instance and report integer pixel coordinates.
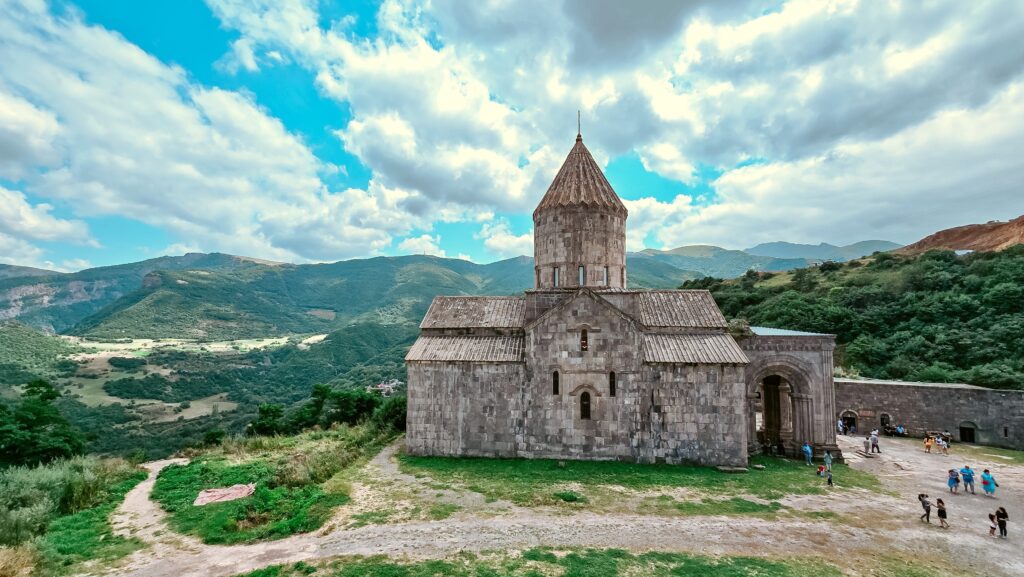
(269, 420)
(34, 431)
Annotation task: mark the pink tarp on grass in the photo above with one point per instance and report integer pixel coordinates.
(224, 494)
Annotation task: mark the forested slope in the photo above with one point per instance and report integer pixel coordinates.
(934, 317)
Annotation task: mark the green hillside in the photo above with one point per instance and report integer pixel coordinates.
(56, 301)
(259, 301)
(823, 251)
(27, 354)
(718, 262)
(935, 317)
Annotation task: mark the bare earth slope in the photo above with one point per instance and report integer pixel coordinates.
(991, 236)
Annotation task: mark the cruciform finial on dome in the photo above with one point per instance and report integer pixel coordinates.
(579, 133)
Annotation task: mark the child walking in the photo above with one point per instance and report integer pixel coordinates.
(991, 525)
(1001, 518)
(942, 513)
(927, 506)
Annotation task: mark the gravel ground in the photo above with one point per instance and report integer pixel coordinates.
(868, 525)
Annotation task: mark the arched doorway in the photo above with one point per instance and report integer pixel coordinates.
(781, 407)
(968, 432)
(849, 419)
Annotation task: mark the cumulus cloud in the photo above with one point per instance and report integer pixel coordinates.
(423, 244)
(138, 138)
(954, 169)
(499, 240)
(21, 219)
(471, 104)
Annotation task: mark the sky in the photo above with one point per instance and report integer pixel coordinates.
(306, 131)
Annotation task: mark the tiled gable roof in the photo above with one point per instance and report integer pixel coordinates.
(468, 349)
(475, 312)
(693, 349)
(680, 308)
(580, 182)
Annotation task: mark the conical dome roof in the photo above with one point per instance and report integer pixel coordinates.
(580, 183)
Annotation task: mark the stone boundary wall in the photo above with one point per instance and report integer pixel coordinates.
(997, 416)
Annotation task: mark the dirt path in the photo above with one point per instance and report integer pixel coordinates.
(871, 524)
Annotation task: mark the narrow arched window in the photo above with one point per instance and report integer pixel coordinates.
(585, 405)
(584, 343)
(583, 276)
(556, 276)
(554, 383)
(604, 280)
(611, 384)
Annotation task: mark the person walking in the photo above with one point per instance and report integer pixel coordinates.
(944, 443)
(1001, 519)
(941, 510)
(927, 506)
(992, 526)
(968, 476)
(927, 444)
(953, 481)
(867, 444)
(988, 483)
(840, 427)
(828, 460)
(808, 453)
(874, 442)
(829, 477)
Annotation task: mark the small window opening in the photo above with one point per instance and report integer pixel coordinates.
(1006, 432)
(556, 276)
(584, 343)
(611, 384)
(604, 280)
(585, 405)
(622, 277)
(554, 383)
(583, 276)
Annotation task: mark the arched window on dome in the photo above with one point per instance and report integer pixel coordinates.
(585, 405)
(584, 341)
(583, 276)
(611, 384)
(557, 270)
(554, 383)
(604, 280)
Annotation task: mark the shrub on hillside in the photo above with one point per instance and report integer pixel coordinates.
(32, 497)
(391, 413)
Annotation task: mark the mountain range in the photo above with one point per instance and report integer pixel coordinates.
(215, 296)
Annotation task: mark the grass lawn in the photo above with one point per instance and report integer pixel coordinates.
(987, 454)
(544, 482)
(299, 481)
(566, 563)
(87, 535)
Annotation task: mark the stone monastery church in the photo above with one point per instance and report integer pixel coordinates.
(582, 367)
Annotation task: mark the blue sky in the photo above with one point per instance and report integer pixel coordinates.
(312, 131)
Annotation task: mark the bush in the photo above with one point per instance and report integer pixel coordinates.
(32, 497)
(391, 413)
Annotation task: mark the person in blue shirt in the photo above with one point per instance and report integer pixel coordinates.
(808, 453)
(968, 477)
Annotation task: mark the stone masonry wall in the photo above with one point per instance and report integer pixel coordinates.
(997, 416)
(690, 413)
(467, 409)
(553, 424)
(569, 237)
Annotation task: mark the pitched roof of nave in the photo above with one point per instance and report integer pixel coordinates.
(461, 312)
(693, 349)
(493, 349)
(689, 309)
(581, 183)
